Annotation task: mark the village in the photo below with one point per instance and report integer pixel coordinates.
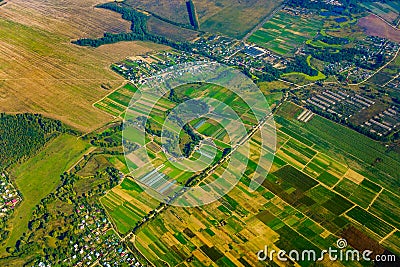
(95, 243)
(366, 57)
(9, 197)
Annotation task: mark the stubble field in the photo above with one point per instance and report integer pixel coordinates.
(42, 72)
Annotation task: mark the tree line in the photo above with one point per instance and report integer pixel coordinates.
(22, 135)
(138, 31)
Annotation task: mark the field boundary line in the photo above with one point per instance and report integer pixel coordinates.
(388, 235)
(263, 21)
(305, 166)
(375, 198)
(347, 153)
(125, 82)
(394, 78)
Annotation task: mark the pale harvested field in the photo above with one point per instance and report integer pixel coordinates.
(230, 17)
(42, 72)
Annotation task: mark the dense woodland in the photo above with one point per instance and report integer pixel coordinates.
(139, 33)
(192, 14)
(300, 63)
(353, 126)
(22, 135)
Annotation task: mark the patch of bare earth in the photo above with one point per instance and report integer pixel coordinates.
(375, 26)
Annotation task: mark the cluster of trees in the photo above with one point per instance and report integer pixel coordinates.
(192, 108)
(109, 138)
(149, 129)
(110, 38)
(301, 64)
(43, 217)
(195, 140)
(174, 97)
(22, 135)
(194, 21)
(268, 74)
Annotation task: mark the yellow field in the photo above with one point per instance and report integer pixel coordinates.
(42, 72)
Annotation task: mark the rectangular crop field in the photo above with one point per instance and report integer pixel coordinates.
(285, 32)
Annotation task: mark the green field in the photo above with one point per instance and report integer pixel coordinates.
(305, 202)
(117, 102)
(321, 182)
(127, 204)
(368, 157)
(285, 32)
(40, 175)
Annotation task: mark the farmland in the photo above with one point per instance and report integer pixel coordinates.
(127, 203)
(159, 27)
(227, 17)
(285, 32)
(40, 175)
(320, 184)
(389, 10)
(374, 26)
(149, 185)
(42, 72)
(307, 201)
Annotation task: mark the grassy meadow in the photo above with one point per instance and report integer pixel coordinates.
(40, 175)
